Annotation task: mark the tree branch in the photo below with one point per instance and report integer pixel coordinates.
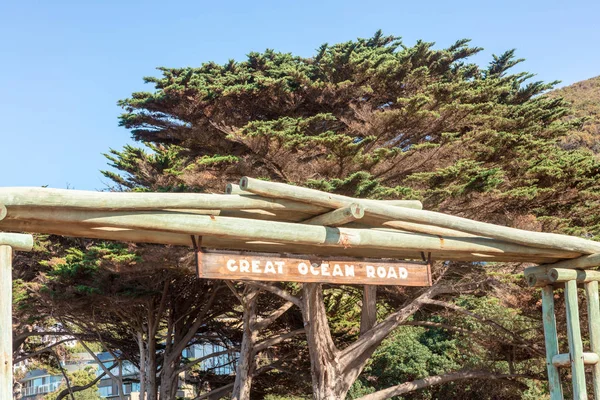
(265, 322)
(265, 344)
(437, 380)
(486, 321)
(279, 292)
(199, 360)
(42, 351)
(74, 389)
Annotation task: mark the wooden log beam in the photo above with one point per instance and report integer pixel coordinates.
(564, 275)
(179, 239)
(338, 217)
(587, 261)
(377, 210)
(563, 360)
(312, 196)
(420, 228)
(124, 201)
(537, 276)
(284, 232)
(6, 368)
(18, 241)
(3, 211)
(235, 189)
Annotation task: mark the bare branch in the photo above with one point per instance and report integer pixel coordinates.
(437, 380)
(199, 360)
(106, 370)
(486, 321)
(74, 389)
(265, 322)
(265, 344)
(42, 351)
(279, 292)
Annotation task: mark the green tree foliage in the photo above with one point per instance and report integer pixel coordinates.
(82, 378)
(584, 97)
(369, 118)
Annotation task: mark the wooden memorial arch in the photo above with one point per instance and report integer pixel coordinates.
(271, 231)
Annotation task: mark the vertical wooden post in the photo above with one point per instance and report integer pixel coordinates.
(575, 344)
(6, 370)
(593, 305)
(551, 340)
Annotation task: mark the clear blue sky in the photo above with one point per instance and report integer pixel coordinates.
(64, 64)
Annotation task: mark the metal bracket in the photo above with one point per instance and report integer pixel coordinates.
(198, 251)
(428, 261)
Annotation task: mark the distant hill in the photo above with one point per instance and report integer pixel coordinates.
(585, 97)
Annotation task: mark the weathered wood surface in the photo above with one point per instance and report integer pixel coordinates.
(378, 210)
(551, 342)
(6, 371)
(593, 311)
(564, 275)
(338, 217)
(575, 343)
(18, 241)
(123, 201)
(312, 196)
(283, 232)
(563, 360)
(537, 276)
(179, 239)
(3, 212)
(309, 268)
(586, 261)
(232, 188)
(543, 275)
(420, 228)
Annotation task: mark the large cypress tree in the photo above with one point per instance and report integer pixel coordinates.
(369, 118)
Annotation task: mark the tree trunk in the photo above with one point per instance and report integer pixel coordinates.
(151, 366)
(368, 317)
(142, 374)
(334, 371)
(246, 362)
(169, 383)
(325, 367)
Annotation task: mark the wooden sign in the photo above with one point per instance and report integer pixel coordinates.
(238, 265)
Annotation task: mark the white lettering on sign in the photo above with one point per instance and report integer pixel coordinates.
(309, 268)
(254, 266)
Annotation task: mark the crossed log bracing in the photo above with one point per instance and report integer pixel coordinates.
(274, 217)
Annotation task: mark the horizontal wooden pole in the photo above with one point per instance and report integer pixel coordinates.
(179, 239)
(18, 241)
(581, 276)
(413, 227)
(235, 189)
(564, 360)
(544, 275)
(338, 217)
(537, 276)
(124, 201)
(372, 209)
(586, 261)
(244, 229)
(312, 196)
(3, 212)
